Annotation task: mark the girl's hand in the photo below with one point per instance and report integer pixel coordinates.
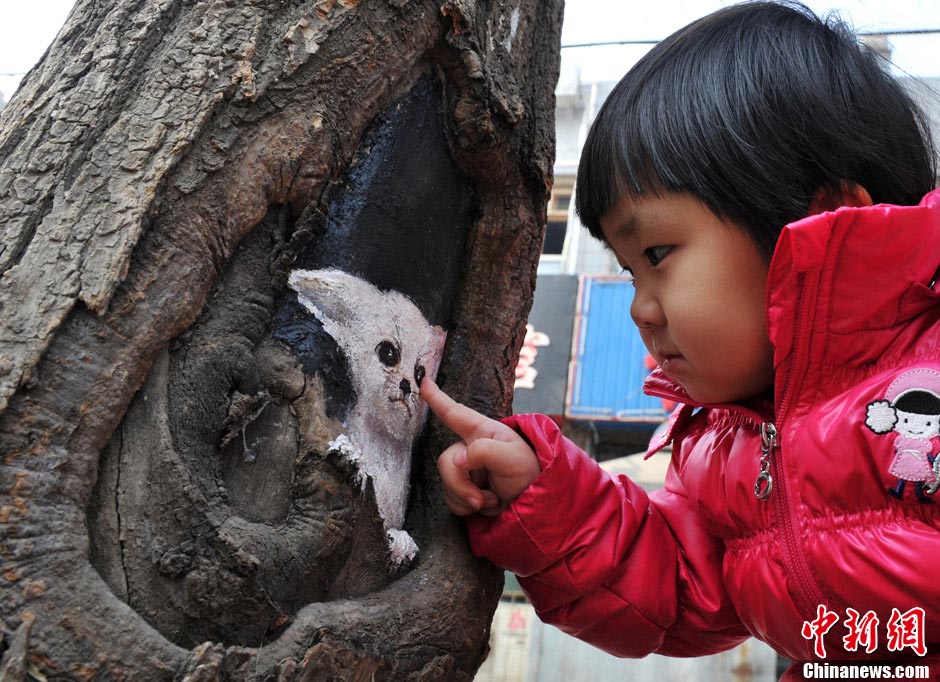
(489, 467)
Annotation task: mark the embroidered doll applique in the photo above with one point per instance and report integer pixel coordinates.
(911, 408)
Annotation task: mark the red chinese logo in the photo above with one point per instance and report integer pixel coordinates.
(863, 631)
(816, 629)
(904, 630)
(907, 630)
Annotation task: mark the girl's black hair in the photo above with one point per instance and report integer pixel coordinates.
(753, 109)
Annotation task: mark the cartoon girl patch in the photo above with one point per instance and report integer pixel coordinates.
(911, 409)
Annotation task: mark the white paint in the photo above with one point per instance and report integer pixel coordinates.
(349, 451)
(402, 547)
(513, 29)
(385, 339)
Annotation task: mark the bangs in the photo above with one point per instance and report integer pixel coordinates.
(645, 141)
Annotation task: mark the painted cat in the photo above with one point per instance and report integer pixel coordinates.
(390, 347)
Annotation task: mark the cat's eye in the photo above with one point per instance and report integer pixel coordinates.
(388, 353)
(420, 373)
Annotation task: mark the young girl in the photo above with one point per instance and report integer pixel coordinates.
(768, 187)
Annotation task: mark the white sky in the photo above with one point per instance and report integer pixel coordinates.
(26, 29)
(28, 26)
(592, 21)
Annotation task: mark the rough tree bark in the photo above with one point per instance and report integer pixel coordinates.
(160, 170)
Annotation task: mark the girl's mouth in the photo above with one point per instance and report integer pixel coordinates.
(668, 359)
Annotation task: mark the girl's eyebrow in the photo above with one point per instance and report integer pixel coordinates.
(625, 228)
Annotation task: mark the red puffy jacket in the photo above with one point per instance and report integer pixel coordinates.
(851, 522)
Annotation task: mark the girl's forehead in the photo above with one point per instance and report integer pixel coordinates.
(652, 210)
(619, 221)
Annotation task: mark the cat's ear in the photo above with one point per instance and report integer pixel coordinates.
(332, 296)
(438, 339)
(434, 351)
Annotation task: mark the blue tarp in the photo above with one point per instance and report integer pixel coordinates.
(607, 367)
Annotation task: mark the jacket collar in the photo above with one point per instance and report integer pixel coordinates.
(860, 273)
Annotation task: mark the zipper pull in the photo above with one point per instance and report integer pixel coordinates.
(765, 482)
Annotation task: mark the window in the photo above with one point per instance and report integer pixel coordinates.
(558, 205)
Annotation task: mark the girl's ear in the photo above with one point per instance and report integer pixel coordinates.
(844, 194)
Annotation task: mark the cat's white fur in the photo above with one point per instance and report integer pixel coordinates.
(386, 339)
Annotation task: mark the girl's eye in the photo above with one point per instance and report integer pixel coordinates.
(627, 272)
(655, 254)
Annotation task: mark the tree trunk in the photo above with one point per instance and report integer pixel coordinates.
(186, 428)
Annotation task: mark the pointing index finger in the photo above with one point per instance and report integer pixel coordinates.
(460, 419)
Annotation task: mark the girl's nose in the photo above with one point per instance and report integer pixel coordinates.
(646, 310)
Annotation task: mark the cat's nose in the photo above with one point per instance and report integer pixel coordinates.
(405, 386)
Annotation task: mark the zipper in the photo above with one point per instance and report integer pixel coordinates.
(806, 595)
(764, 485)
(797, 370)
(771, 477)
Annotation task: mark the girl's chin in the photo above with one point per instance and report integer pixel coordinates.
(710, 396)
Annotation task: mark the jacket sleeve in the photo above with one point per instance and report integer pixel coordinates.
(628, 572)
